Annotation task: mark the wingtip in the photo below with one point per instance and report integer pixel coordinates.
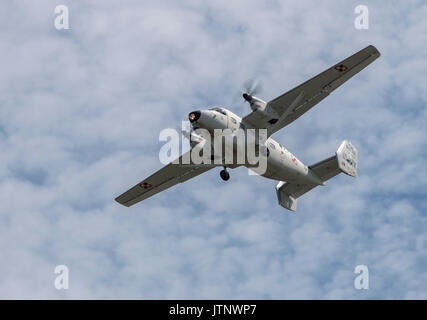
(119, 202)
(375, 50)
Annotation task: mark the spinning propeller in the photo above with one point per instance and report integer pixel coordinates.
(251, 88)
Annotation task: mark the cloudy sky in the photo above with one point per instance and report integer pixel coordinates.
(80, 115)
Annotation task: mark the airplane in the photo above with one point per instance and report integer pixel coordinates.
(294, 178)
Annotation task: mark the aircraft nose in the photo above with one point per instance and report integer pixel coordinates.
(194, 116)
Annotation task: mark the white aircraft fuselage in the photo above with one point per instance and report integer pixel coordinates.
(282, 165)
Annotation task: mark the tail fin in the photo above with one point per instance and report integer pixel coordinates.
(344, 160)
(347, 158)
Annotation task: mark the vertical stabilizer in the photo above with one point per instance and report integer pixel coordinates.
(347, 158)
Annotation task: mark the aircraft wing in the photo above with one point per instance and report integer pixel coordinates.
(163, 179)
(299, 100)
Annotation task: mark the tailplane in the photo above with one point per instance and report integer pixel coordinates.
(344, 160)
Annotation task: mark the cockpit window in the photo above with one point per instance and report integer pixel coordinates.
(219, 110)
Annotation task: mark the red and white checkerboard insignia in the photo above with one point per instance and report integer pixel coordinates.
(294, 160)
(145, 185)
(341, 68)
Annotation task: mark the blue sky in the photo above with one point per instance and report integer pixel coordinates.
(80, 117)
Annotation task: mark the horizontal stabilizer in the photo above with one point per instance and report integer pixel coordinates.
(285, 200)
(345, 160)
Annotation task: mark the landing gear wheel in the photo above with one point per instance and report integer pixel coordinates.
(224, 175)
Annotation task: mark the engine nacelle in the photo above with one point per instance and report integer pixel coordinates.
(261, 106)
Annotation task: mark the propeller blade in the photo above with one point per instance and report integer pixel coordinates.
(248, 85)
(257, 88)
(252, 87)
